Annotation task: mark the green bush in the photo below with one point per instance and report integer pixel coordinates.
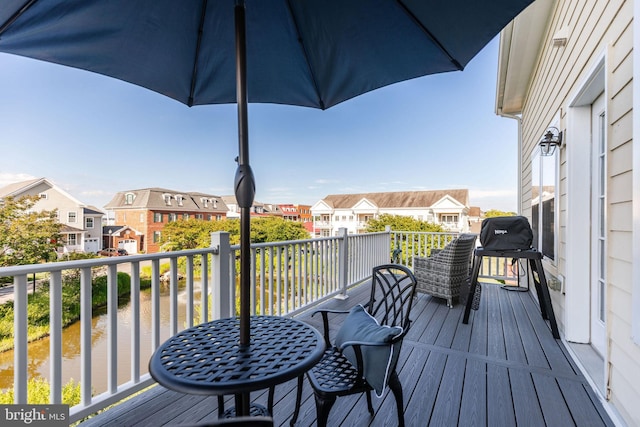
(38, 392)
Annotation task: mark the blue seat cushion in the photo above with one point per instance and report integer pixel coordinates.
(360, 326)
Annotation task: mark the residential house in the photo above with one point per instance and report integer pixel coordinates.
(449, 208)
(566, 74)
(140, 215)
(298, 213)
(258, 209)
(123, 237)
(475, 219)
(81, 224)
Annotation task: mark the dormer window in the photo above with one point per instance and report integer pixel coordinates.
(167, 199)
(128, 198)
(205, 202)
(215, 203)
(179, 199)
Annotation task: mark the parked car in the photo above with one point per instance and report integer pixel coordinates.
(113, 252)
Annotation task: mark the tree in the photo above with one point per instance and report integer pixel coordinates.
(494, 212)
(401, 223)
(194, 233)
(27, 236)
(274, 229)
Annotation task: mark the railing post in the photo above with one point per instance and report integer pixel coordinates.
(21, 359)
(343, 257)
(221, 286)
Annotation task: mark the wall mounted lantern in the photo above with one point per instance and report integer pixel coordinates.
(551, 139)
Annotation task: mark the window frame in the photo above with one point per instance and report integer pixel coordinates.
(543, 169)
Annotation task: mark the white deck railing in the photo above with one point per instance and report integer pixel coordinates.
(286, 277)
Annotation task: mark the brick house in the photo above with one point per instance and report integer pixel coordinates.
(146, 211)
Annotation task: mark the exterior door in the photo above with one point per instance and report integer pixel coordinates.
(598, 226)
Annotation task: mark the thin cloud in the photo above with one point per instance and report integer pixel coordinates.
(7, 178)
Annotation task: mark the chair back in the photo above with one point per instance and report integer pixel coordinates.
(459, 250)
(392, 292)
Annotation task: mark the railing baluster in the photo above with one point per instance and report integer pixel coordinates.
(55, 337)
(155, 303)
(189, 314)
(278, 280)
(263, 283)
(173, 294)
(112, 327)
(86, 315)
(135, 321)
(20, 357)
(204, 288)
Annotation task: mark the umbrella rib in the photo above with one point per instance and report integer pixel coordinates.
(16, 15)
(306, 56)
(429, 34)
(194, 73)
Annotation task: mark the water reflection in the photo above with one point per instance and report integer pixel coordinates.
(38, 352)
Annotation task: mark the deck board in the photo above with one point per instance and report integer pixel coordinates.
(503, 368)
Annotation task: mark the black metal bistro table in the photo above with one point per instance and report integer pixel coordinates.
(539, 279)
(207, 359)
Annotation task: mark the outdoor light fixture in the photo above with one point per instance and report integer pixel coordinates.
(551, 139)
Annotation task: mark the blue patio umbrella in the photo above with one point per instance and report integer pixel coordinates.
(312, 53)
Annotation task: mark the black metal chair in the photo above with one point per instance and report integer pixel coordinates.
(364, 354)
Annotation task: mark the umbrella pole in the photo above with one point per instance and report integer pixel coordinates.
(244, 190)
(244, 181)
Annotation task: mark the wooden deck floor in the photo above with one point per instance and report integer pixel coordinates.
(502, 369)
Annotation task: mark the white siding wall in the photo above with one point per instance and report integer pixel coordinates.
(596, 28)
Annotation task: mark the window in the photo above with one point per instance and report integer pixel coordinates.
(156, 236)
(71, 240)
(141, 217)
(209, 217)
(218, 217)
(157, 217)
(71, 217)
(88, 222)
(185, 216)
(179, 199)
(167, 199)
(543, 199)
(43, 195)
(128, 198)
(205, 202)
(449, 218)
(172, 217)
(199, 216)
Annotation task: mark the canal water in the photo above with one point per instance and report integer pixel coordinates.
(38, 352)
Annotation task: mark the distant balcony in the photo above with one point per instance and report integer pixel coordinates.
(503, 368)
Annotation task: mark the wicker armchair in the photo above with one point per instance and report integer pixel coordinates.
(442, 274)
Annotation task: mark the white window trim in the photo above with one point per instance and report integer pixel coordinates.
(635, 290)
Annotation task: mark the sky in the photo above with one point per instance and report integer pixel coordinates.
(94, 136)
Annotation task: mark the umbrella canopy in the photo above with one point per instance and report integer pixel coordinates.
(313, 53)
